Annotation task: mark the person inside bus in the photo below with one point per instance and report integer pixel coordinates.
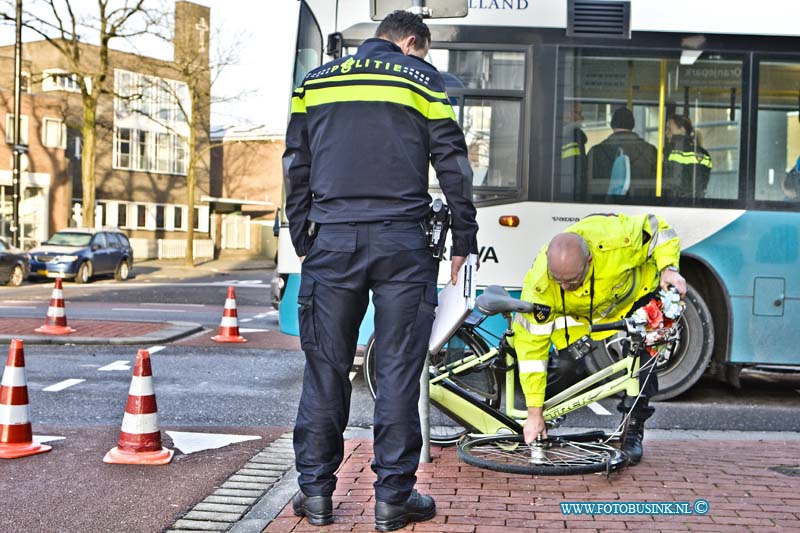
(623, 153)
(791, 183)
(573, 150)
(600, 269)
(687, 165)
(363, 132)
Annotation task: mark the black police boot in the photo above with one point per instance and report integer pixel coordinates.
(632, 446)
(390, 516)
(318, 510)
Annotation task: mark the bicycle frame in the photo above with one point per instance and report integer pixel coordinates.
(481, 418)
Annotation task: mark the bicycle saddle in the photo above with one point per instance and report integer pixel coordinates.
(496, 300)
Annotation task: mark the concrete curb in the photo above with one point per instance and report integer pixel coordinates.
(173, 331)
(249, 499)
(270, 505)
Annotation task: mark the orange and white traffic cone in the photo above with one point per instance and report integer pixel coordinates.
(229, 327)
(16, 436)
(55, 323)
(140, 439)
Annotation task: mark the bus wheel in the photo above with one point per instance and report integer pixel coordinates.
(688, 358)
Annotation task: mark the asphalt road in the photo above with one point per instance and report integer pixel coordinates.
(246, 389)
(215, 386)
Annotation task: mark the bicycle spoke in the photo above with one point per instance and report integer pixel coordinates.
(560, 454)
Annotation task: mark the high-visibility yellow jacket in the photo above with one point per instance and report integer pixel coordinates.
(628, 255)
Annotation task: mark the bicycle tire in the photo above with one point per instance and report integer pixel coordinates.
(482, 383)
(565, 456)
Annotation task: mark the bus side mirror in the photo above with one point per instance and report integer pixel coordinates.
(434, 9)
(335, 45)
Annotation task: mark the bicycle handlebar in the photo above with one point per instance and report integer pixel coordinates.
(619, 325)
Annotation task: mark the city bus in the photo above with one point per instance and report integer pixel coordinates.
(517, 70)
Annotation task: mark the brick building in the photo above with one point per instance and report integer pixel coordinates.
(246, 185)
(142, 137)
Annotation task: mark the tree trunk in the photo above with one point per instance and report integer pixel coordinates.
(191, 181)
(88, 160)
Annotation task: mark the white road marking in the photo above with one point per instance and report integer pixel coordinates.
(358, 360)
(61, 385)
(197, 442)
(250, 330)
(599, 409)
(148, 310)
(352, 375)
(116, 365)
(17, 307)
(46, 438)
(178, 305)
(242, 282)
(246, 320)
(154, 349)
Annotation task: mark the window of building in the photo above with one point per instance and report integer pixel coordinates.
(23, 129)
(101, 214)
(160, 212)
(778, 132)
(196, 218)
(122, 145)
(149, 151)
(178, 217)
(141, 216)
(163, 148)
(54, 133)
(154, 113)
(122, 215)
(699, 158)
(59, 80)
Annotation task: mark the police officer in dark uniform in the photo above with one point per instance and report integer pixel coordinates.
(362, 133)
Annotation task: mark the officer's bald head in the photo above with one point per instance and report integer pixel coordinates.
(568, 260)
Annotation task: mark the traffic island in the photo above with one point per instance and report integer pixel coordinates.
(98, 332)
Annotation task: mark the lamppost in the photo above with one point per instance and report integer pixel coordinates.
(19, 148)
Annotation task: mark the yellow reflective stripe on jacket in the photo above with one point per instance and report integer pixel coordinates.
(570, 150)
(690, 158)
(376, 77)
(298, 105)
(379, 93)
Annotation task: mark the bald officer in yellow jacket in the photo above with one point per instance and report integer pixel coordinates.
(596, 271)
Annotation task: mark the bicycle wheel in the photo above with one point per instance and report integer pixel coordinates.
(481, 382)
(558, 456)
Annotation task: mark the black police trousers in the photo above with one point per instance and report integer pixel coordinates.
(345, 263)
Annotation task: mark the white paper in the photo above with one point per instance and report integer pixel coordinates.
(455, 304)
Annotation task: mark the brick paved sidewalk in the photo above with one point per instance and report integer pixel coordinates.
(735, 477)
(96, 331)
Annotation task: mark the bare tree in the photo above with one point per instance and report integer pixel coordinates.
(199, 71)
(87, 65)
